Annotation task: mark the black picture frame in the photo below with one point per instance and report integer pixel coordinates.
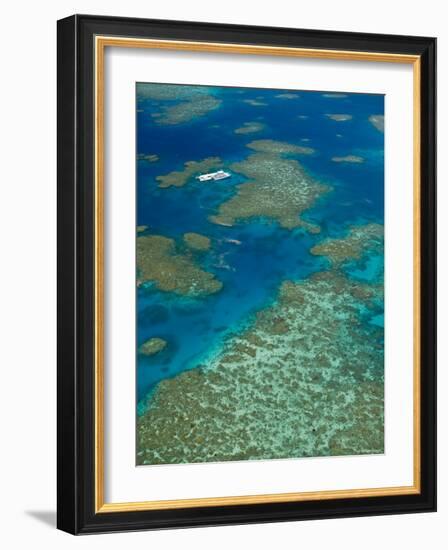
(76, 289)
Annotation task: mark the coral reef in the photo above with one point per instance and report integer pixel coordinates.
(255, 102)
(278, 189)
(353, 246)
(278, 147)
(354, 159)
(168, 92)
(250, 128)
(148, 157)
(377, 121)
(191, 102)
(288, 95)
(159, 261)
(255, 339)
(339, 118)
(191, 168)
(335, 95)
(188, 110)
(152, 346)
(197, 241)
(304, 380)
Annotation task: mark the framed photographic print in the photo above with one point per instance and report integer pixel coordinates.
(246, 268)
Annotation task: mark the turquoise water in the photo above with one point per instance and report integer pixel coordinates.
(251, 272)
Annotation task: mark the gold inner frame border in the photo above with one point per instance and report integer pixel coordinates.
(100, 44)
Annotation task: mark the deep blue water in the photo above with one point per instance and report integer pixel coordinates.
(251, 272)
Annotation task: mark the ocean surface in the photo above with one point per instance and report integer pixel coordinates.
(251, 258)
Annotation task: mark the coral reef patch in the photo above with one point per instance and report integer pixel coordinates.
(353, 159)
(354, 245)
(255, 102)
(148, 157)
(197, 241)
(377, 121)
(335, 95)
(278, 187)
(178, 178)
(189, 102)
(339, 117)
(152, 346)
(160, 262)
(288, 95)
(250, 128)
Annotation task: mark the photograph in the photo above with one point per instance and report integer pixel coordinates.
(259, 273)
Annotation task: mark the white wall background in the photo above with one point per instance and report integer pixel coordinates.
(28, 273)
